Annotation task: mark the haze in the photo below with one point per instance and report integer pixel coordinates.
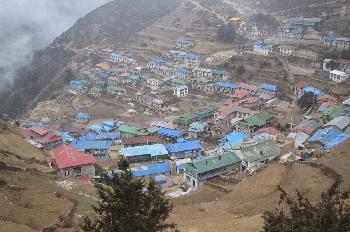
(30, 25)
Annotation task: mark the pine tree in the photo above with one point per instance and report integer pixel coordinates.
(331, 214)
(129, 204)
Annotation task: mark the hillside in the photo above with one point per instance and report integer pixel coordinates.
(111, 25)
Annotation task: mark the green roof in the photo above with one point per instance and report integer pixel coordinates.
(206, 165)
(333, 112)
(132, 130)
(258, 119)
(96, 89)
(284, 46)
(116, 88)
(257, 150)
(189, 118)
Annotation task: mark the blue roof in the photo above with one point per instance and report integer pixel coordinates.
(313, 90)
(96, 128)
(169, 132)
(108, 136)
(67, 137)
(268, 87)
(192, 56)
(111, 123)
(263, 44)
(182, 70)
(89, 145)
(160, 178)
(102, 74)
(82, 116)
(185, 41)
(188, 146)
(329, 137)
(235, 138)
(329, 38)
(159, 61)
(226, 85)
(134, 78)
(153, 150)
(197, 127)
(88, 137)
(150, 169)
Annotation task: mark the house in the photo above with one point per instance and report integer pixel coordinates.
(96, 92)
(262, 47)
(225, 87)
(341, 123)
(116, 90)
(99, 148)
(128, 132)
(338, 76)
(192, 60)
(196, 129)
(337, 42)
(47, 138)
(151, 170)
(290, 31)
(251, 103)
(182, 73)
(71, 163)
(198, 171)
(252, 89)
(169, 133)
(270, 131)
(327, 65)
(109, 126)
(154, 82)
(299, 87)
(184, 149)
(255, 153)
(267, 91)
(191, 117)
(332, 113)
(343, 65)
(142, 140)
(82, 117)
(180, 91)
(287, 50)
(240, 95)
(218, 128)
(145, 153)
(113, 80)
(346, 106)
(326, 138)
(254, 122)
(76, 86)
(233, 139)
(233, 111)
(184, 43)
(313, 90)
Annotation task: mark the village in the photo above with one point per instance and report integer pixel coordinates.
(184, 123)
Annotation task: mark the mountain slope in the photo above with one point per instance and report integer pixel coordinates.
(111, 25)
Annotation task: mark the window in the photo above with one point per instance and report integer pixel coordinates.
(77, 170)
(66, 172)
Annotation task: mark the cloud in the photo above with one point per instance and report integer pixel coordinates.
(29, 25)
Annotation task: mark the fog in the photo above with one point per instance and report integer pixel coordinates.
(29, 25)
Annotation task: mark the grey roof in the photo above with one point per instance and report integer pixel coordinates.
(340, 122)
(347, 102)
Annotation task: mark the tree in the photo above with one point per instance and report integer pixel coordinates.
(128, 204)
(300, 215)
(345, 54)
(226, 33)
(69, 75)
(308, 100)
(331, 64)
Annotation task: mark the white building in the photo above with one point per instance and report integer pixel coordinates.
(262, 47)
(287, 50)
(181, 91)
(338, 76)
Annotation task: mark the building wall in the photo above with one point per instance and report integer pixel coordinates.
(84, 170)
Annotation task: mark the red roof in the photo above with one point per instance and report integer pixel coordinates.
(240, 94)
(41, 136)
(300, 85)
(40, 131)
(327, 98)
(268, 130)
(142, 140)
(303, 128)
(67, 156)
(251, 100)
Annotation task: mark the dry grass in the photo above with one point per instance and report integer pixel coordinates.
(241, 209)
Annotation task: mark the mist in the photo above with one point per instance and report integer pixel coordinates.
(30, 25)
